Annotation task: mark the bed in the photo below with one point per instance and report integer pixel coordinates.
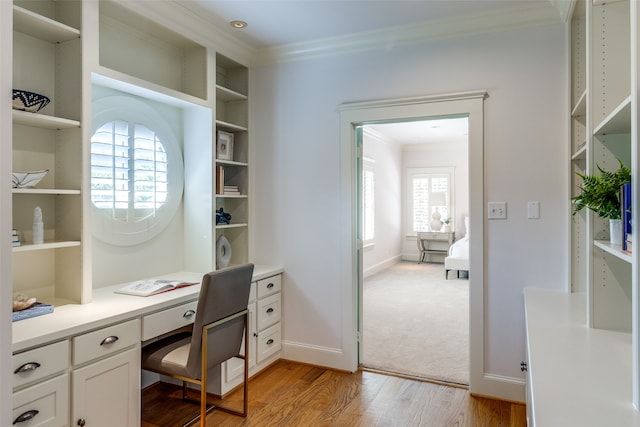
(458, 255)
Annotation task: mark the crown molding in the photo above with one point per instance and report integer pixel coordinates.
(489, 22)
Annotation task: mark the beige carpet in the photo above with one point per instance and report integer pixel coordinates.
(416, 323)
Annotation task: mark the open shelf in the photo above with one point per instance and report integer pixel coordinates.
(619, 121)
(41, 27)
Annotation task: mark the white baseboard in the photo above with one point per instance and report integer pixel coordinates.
(382, 266)
(315, 355)
(501, 387)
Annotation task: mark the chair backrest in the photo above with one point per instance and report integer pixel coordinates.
(223, 293)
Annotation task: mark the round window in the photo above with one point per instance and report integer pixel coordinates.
(136, 171)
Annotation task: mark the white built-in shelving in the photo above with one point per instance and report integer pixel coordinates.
(603, 277)
(47, 60)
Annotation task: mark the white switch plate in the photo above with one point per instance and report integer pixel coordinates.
(497, 210)
(533, 210)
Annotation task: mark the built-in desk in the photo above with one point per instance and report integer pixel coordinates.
(577, 376)
(88, 355)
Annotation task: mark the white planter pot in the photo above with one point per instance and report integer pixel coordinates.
(615, 231)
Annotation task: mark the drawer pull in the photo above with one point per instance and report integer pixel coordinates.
(189, 313)
(81, 422)
(109, 340)
(31, 366)
(270, 341)
(26, 416)
(270, 285)
(269, 310)
(255, 334)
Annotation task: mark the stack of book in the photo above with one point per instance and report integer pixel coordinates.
(232, 190)
(625, 203)
(15, 238)
(219, 180)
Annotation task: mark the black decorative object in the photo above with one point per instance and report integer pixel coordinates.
(222, 217)
(29, 101)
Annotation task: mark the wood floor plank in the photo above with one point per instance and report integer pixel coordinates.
(298, 395)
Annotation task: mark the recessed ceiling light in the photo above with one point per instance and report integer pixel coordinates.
(238, 24)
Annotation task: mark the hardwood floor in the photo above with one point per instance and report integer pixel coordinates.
(293, 394)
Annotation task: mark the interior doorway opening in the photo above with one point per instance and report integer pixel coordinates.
(352, 117)
(414, 179)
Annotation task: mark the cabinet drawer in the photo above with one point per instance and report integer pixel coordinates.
(269, 342)
(44, 404)
(269, 286)
(105, 341)
(39, 363)
(168, 320)
(268, 311)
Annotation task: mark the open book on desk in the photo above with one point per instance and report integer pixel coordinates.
(145, 288)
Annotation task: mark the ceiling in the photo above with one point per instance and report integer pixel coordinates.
(273, 23)
(449, 131)
(282, 22)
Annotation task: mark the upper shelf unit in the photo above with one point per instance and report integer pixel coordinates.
(231, 95)
(42, 27)
(136, 46)
(47, 59)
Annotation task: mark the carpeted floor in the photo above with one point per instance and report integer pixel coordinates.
(416, 323)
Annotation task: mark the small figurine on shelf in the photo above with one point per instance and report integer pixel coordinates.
(222, 217)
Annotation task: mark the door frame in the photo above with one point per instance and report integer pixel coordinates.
(353, 115)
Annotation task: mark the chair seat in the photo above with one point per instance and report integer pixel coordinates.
(169, 355)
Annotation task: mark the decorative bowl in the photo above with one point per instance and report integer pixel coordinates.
(27, 179)
(29, 101)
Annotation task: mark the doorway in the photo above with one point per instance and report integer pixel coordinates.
(352, 117)
(414, 173)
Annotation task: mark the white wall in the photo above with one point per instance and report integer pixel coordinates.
(435, 155)
(388, 203)
(296, 179)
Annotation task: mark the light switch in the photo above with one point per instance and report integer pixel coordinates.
(497, 210)
(533, 210)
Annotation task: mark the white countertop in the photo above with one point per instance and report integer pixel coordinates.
(107, 308)
(579, 376)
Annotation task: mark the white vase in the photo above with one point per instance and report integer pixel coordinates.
(435, 223)
(615, 232)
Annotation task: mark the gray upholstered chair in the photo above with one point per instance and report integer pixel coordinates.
(218, 330)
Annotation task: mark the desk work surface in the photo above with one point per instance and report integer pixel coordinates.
(108, 307)
(579, 376)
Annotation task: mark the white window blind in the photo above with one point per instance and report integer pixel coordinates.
(429, 190)
(368, 204)
(129, 172)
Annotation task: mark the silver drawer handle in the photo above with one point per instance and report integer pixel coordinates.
(189, 313)
(270, 285)
(109, 340)
(270, 342)
(31, 366)
(25, 416)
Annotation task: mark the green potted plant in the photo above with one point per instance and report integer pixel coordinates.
(601, 194)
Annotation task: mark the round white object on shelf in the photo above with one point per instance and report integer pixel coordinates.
(223, 252)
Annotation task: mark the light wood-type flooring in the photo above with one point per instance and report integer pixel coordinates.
(293, 394)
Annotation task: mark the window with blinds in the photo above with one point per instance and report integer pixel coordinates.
(430, 191)
(368, 202)
(129, 170)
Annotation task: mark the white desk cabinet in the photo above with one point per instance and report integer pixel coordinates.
(80, 365)
(107, 393)
(43, 404)
(264, 332)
